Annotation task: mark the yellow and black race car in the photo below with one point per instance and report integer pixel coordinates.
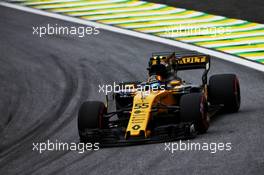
(163, 108)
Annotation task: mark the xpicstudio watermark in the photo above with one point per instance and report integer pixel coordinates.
(212, 147)
(55, 29)
(41, 147)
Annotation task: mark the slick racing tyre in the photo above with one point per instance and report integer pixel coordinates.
(224, 89)
(90, 117)
(193, 108)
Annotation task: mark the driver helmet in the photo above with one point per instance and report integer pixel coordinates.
(155, 82)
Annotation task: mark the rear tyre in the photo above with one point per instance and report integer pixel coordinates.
(193, 108)
(90, 116)
(224, 89)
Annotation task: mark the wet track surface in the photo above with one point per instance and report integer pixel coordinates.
(44, 80)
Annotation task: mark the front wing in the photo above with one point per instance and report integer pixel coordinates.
(115, 136)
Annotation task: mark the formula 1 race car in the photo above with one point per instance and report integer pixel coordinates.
(163, 108)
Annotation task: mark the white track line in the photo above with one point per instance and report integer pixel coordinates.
(98, 7)
(45, 3)
(224, 56)
(133, 14)
(151, 18)
(127, 9)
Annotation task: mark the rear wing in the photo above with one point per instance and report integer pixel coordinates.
(192, 62)
(184, 61)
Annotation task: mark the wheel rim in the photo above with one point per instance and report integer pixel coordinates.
(101, 115)
(203, 109)
(237, 92)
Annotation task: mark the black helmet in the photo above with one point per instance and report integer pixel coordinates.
(158, 67)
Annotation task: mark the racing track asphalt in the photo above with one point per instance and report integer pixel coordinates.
(44, 80)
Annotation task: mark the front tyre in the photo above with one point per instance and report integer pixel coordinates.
(90, 116)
